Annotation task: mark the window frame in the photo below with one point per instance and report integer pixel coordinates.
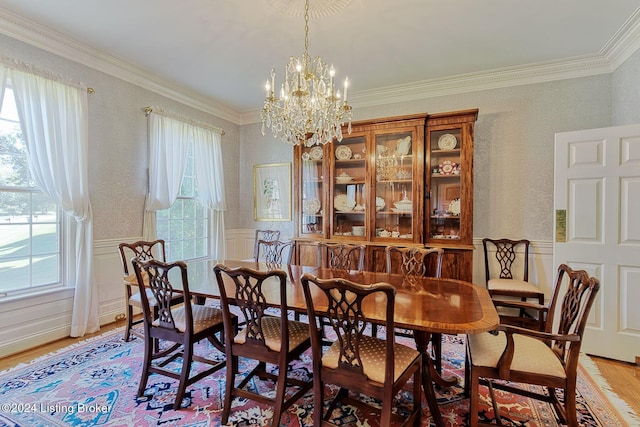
(30, 188)
(189, 175)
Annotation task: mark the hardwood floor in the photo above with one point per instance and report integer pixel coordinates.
(623, 378)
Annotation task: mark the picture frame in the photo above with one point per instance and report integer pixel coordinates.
(272, 192)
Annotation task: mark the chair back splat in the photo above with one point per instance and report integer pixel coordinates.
(143, 251)
(352, 361)
(275, 252)
(265, 236)
(341, 256)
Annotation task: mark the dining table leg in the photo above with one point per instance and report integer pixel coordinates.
(430, 376)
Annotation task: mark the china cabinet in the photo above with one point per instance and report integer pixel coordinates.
(404, 181)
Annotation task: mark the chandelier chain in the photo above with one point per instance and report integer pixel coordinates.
(306, 29)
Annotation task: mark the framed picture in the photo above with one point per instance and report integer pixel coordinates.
(272, 192)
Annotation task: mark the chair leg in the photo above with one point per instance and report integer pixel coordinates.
(436, 345)
(417, 396)
(184, 374)
(467, 376)
(474, 390)
(385, 416)
(232, 369)
(318, 400)
(146, 364)
(127, 329)
(569, 405)
(281, 388)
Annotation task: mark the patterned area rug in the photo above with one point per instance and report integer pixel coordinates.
(94, 383)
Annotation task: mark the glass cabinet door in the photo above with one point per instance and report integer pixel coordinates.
(349, 187)
(445, 208)
(312, 192)
(395, 191)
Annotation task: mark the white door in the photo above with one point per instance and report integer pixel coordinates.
(597, 228)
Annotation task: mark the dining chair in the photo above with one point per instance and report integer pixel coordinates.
(143, 250)
(269, 339)
(356, 362)
(507, 279)
(547, 358)
(182, 325)
(265, 236)
(275, 252)
(341, 256)
(418, 262)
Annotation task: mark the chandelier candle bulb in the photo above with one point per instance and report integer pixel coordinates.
(346, 85)
(273, 78)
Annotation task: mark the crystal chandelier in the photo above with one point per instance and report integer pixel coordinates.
(309, 108)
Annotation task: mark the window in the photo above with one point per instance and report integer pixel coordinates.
(30, 226)
(185, 225)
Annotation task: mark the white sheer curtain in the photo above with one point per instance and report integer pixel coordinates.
(168, 144)
(53, 116)
(210, 179)
(168, 150)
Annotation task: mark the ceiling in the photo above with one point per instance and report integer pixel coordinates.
(223, 50)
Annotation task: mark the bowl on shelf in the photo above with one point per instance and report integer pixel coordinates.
(404, 205)
(344, 178)
(358, 230)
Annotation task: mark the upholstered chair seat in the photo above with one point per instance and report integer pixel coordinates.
(531, 355)
(511, 285)
(373, 355)
(203, 318)
(298, 333)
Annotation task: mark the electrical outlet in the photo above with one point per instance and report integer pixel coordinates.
(120, 316)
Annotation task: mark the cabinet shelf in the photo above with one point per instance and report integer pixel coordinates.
(394, 181)
(438, 152)
(443, 176)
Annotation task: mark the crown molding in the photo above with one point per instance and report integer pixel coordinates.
(473, 82)
(19, 28)
(618, 49)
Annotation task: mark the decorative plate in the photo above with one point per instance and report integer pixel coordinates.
(343, 152)
(447, 142)
(306, 156)
(454, 207)
(343, 203)
(311, 206)
(448, 167)
(379, 203)
(403, 146)
(316, 153)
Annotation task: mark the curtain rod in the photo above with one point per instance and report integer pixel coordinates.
(148, 110)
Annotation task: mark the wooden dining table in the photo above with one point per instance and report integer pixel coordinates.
(424, 305)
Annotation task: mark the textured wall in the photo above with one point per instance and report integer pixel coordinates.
(513, 157)
(118, 142)
(626, 92)
(514, 134)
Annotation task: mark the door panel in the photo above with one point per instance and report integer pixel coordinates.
(597, 206)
